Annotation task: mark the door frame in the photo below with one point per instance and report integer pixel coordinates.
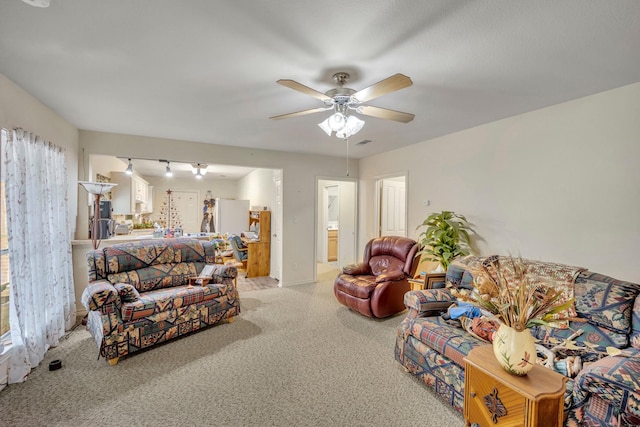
(317, 216)
(378, 199)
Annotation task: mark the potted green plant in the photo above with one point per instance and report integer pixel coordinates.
(445, 238)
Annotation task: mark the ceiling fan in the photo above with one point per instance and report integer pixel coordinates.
(342, 100)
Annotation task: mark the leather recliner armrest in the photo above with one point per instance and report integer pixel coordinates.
(356, 269)
(390, 276)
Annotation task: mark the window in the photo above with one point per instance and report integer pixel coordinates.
(4, 266)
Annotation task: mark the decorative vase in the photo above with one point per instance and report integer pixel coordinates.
(515, 350)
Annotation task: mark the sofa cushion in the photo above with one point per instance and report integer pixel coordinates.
(154, 302)
(597, 336)
(446, 338)
(146, 253)
(459, 275)
(605, 301)
(158, 276)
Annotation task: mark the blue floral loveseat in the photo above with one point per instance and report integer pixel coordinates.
(139, 294)
(605, 392)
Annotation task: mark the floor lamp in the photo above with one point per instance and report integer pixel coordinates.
(97, 189)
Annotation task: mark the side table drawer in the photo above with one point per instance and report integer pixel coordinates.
(492, 403)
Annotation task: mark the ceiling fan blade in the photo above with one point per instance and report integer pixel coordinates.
(300, 113)
(383, 113)
(383, 87)
(291, 84)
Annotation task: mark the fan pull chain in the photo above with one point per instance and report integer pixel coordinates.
(347, 141)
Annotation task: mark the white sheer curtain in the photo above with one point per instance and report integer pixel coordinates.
(42, 301)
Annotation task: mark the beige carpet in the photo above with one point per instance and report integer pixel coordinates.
(255, 283)
(294, 357)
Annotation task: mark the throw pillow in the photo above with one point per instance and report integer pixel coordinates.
(605, 301)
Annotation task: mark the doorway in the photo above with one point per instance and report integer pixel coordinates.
(336, 213)
(391, 201)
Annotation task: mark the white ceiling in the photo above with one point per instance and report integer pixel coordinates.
(206, 71)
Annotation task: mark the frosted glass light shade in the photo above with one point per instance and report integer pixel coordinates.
(325, 126)
(97, 187)
(336, 122)
(353, 126)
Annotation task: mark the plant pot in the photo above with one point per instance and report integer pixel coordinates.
(515, 350)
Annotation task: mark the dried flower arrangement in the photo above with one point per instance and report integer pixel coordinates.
(518, 299)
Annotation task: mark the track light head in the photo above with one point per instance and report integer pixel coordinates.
(129, 170)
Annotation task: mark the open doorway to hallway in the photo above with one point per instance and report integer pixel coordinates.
(336, 213)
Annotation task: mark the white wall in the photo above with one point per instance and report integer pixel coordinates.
(299, 174)
(557, 184)
(258, 187)
(18, 109)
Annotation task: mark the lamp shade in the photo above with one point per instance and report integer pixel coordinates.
(97, 187)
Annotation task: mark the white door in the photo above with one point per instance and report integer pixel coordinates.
(187, 210)
(392, 207)
(276, 238)
(347, 224)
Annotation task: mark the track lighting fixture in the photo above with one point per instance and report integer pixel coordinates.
(129, 170)
(198, 169)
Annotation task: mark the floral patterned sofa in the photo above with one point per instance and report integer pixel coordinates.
(139, 294)
(605, 392)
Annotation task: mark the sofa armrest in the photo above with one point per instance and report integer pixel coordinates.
(100, 296)
(428, 302)
(615, 380)
(356, 269)
(225, 271)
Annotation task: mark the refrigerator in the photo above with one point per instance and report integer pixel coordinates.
(105, 223)
(231, 216)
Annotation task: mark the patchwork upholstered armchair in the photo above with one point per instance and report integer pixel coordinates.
(376, 286)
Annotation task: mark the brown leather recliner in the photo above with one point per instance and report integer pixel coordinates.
(376, 287)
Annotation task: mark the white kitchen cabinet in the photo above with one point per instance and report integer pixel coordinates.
(149, 205)
(130, 195)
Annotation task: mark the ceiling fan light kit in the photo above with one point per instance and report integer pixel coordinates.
(342, 99)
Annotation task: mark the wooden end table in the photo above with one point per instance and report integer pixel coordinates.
(494, 397)
(427, 281)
